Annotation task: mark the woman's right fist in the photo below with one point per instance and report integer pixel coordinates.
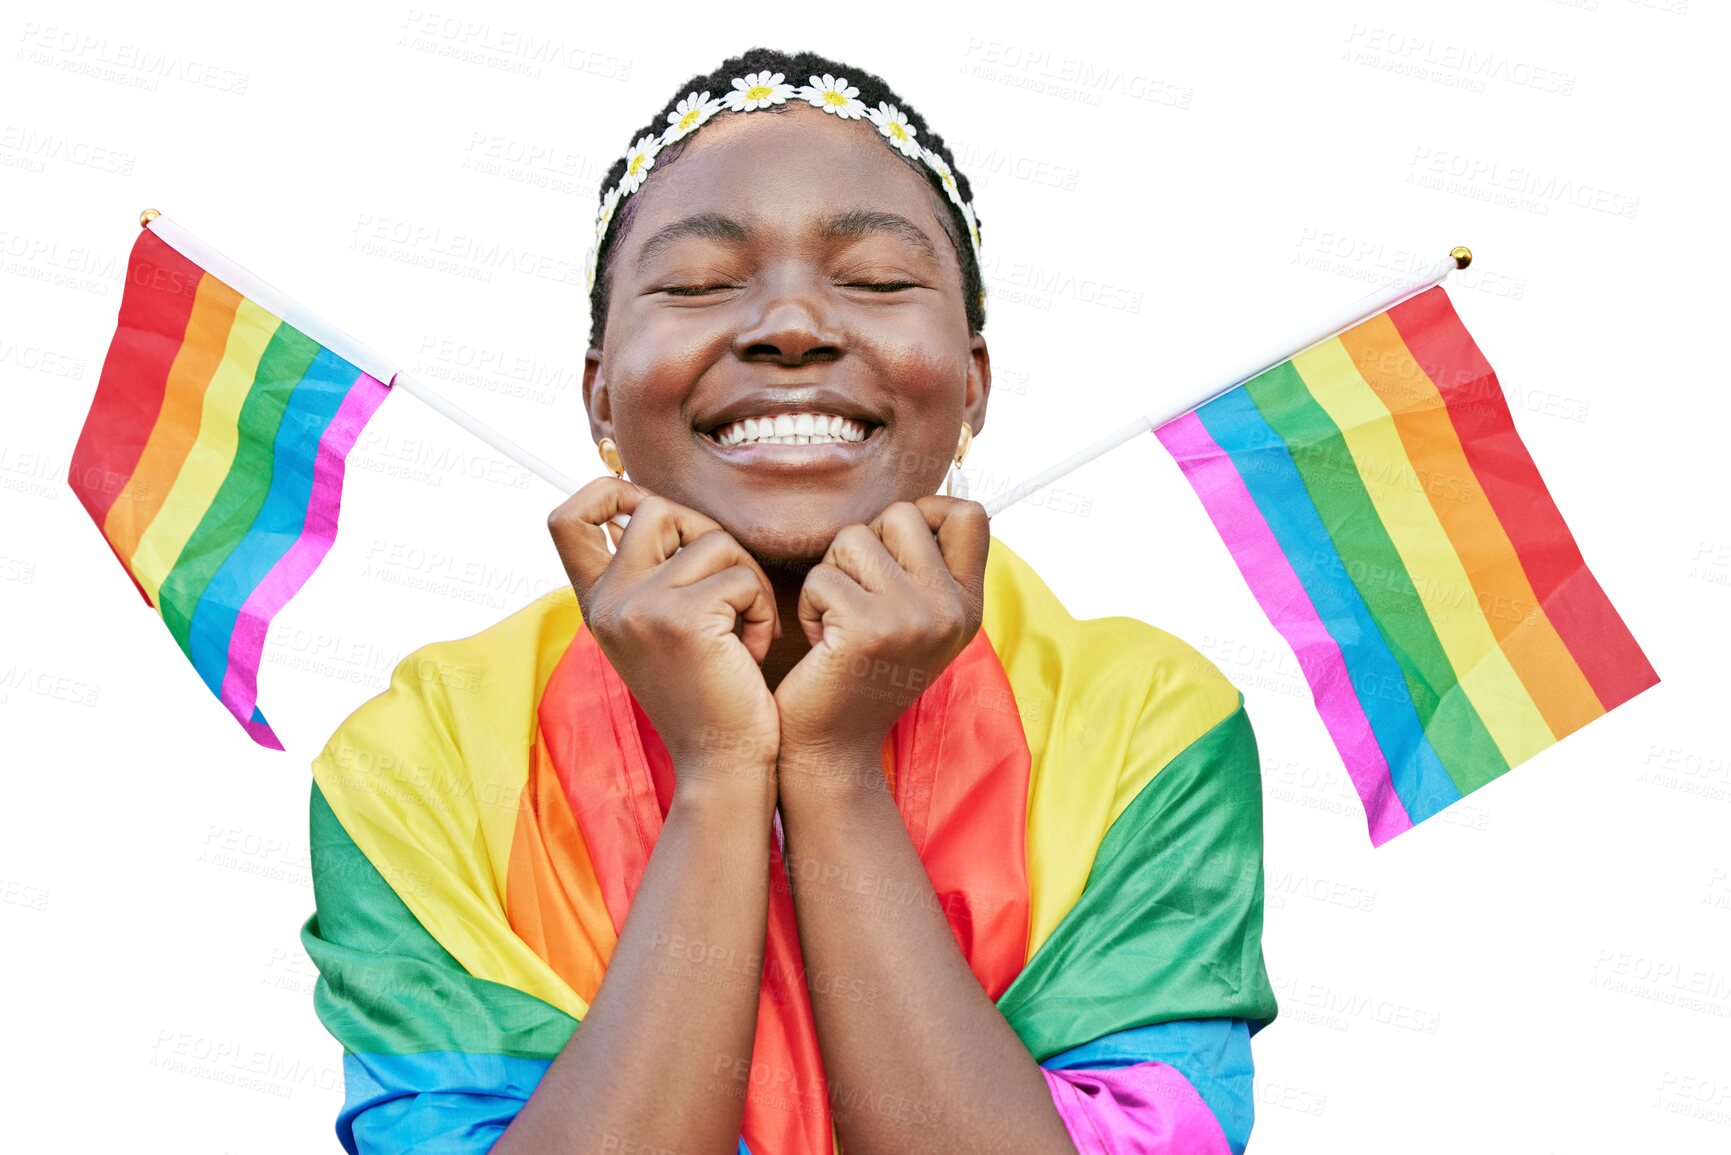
(685, 615)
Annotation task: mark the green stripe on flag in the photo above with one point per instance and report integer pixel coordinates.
(1331, 477)
(1169, 924)
(386, 986)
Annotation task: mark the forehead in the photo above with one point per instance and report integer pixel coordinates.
(786, 168)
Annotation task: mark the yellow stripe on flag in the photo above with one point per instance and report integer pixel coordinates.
(207, 462)
(1449, 600)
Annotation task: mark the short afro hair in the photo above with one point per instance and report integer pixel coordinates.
(797, 67)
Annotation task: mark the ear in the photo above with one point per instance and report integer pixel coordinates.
(596, 398)
(979, 386)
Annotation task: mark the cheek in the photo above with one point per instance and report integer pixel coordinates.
(928, 368)
(656, 362)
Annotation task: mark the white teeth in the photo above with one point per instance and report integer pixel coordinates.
(791, 429)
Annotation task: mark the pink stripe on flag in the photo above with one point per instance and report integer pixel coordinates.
(1271, 578)
(263, 735)
(1142, 1109)
(290, 573)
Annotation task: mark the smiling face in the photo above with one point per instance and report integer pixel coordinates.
(786, 262)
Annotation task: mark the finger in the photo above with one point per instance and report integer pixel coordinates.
(859, 553)
(907, 535)
(964, 538)
(659, 528)
(739, 588)
(827, 589)
(712, 553)
(575, 526)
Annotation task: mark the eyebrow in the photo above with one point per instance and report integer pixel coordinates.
(715, 226)
(729, 230)
(860, 222)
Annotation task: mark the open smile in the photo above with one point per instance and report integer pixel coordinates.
(760, 444)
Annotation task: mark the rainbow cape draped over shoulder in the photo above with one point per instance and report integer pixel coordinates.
(1085, 797)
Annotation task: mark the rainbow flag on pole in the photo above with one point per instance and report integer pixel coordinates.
(1392, 525)
(212, 460)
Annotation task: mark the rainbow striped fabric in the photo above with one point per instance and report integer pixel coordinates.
(212, 461)
(1394, 528)
(1085, 796)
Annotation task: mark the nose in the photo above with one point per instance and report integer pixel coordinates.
(796, 327)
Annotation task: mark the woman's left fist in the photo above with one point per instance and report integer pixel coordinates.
(886, 610)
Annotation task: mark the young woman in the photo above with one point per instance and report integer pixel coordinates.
(808, 818)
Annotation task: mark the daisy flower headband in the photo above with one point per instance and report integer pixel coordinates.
(757, 90)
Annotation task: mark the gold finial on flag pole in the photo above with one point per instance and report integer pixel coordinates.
(145, 217)
(1463, 256)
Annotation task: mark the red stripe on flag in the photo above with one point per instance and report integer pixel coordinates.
(1589, 625)
(161, 286)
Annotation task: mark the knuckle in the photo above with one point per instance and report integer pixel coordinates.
(639, 618)
(655, 507)
(853, 532)
(712, 539)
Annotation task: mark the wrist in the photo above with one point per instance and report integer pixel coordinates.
(841, 771)
(748, 789)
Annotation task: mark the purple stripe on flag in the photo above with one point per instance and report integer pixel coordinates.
(246, 644)
(1271, 578)
(1142, 1109)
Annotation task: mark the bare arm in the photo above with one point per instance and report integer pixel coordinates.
(651, 1067)
(685, 616)
(933, 1066)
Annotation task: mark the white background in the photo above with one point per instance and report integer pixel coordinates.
(1543, 968)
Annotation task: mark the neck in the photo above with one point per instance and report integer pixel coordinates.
(786, 651)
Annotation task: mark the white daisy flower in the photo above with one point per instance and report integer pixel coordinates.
(638, 161)
(589, 261)
(832, 95)
(687, 115)
(604, 215)
(973, 229)
(940, 166)
(893, 123)
(757, 90)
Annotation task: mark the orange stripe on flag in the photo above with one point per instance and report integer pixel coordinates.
(552, 898)
(176, 427)
(1546, 669)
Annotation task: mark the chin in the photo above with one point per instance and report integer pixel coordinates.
(780, 546)
(796, 534)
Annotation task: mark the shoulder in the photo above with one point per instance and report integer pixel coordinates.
(458, 718)
(1117, 663)
(478, 680)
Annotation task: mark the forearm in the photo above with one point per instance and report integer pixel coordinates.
(651, 1067)
(926, 1063)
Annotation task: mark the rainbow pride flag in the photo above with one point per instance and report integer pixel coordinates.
(212, 461)
(1392, 525)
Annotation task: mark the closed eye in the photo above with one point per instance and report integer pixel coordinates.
(691, 290)
(883, 286)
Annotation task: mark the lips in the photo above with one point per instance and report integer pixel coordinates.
(783, 452)
(791, 428)
(815, 456)
(792, 400)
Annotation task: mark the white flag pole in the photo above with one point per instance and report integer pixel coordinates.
(383, 369)
(368, 360)
(1332, 325)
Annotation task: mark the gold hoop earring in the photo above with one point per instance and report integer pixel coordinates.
(956, 482)
(610, 456)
